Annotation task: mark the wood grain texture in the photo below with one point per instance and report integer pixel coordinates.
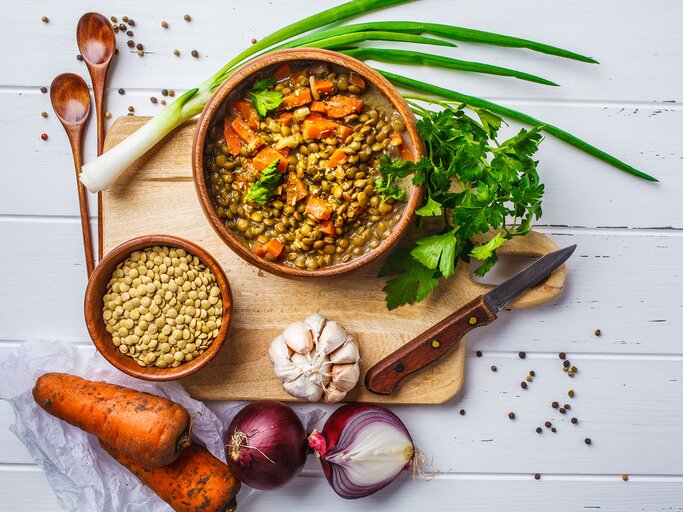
(265, 304)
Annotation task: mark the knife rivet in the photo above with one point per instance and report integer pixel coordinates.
(473, 320)
(399, 367)
(436, 344)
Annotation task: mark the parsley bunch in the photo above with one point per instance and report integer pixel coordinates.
(263, 97)
(473, 183)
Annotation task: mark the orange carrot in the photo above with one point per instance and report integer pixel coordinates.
(328, 228)
(196, 481)
(242, 129)
(338, 158)
(318, 106)
(318, 208)
(343, 131)
(357, 81)
(295, 188)
(148, 428)
(316, 126)
(231, 138)
(323, 87)
(259, 249)
(248, 114)
(285, 118)
(274, 247)
(298, 98)
(283, 71)
(267, 156)
(342, 106)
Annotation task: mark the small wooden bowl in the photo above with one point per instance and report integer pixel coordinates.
(235, 81)
(96, 290)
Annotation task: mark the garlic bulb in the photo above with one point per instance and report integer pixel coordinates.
(316, 359)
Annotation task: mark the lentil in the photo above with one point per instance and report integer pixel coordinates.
(107, 115)
(570, 393)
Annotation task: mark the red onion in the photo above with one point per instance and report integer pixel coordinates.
(266, 444)
(362, 449)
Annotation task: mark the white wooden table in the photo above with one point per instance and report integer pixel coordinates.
(624, 279)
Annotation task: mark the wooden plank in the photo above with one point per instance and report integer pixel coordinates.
(27, 489)
(641, 43)
(580, 190)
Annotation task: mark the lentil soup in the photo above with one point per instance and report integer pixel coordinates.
(296, 182)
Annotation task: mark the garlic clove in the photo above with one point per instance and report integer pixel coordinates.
(332, 337)
(278, 349)
(347, 353)
(304, 388)
(334, 394)
(316, 323)
(345, 376)
(298, 337)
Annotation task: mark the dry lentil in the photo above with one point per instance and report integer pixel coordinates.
(570, 393)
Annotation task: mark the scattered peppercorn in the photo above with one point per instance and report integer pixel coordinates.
(45, 19)
(539, 430)
(548, 424)
(43, 136)
(139, 46)
(43, 113)
(130, 114)
(164, 24)
(462, 412)
(153, 99)
(43, 90)
(598, 332)
(107, 115)
(131, 108)
(522, 355)
(555, 405)
(624, 477)
(553, 430)
(113, 19)
(187, 17)
(130, 33)
(575, 421)
(567, 406)
(171, 93)
(493, 368)
(164, 92)
(79, 57)
(122, 91)
(115, 28)
(562, 410)
(131, 22)
(163, 102)
(574, 369)
(570, 393)
(479, 353)
(528, 378)
(116, 51)
(570, 373)
(563, 355)
(511, 415)
(587, 440)
(194, 53)
(524, 385)
(253, 40)
(124, 19)
(176, 53)
(130, 43)
(140, 53)
(532, 373)
(566, 363)
(537, 476)
(122, 27)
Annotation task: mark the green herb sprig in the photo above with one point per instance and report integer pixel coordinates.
(263, 97)
(266, 185)
(474, 184)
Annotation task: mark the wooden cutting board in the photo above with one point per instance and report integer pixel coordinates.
(157, 196)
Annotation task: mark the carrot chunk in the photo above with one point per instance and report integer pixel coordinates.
(342, 106)
(316, 126)
(244, 110)
(242, 128)
(318, 208)
(274, 247)
(259, 249)
(324, 86)
(298, 98)
(343, 131)
(231, 138)
(328, 228)
(357, 81)
(285, 118)
(338, 158)
(283, 71)
(318, 106)
(295, 188)
(267, 156)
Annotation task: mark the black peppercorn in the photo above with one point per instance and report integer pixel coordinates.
(194, 53)
(164, 92)
(575, 421)
(562, 411)
(493, 368)
(43, 90)
(524, 385)
(548, 424)
(130, 43)
(462, 412)
(522, 355)
(598, 332)
(567, 406)
(539, 430)
(566, 363)
(563, 355)
(532, 373)
(511, 415)
(537, 476)
(587, 440)
(553, 430)
(153, 99)
(555, 405)
(129, 33)
(122, 91)
(479, 353)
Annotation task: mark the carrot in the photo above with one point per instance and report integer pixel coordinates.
(298, 98)
(316, 126)
(274, 247)
(328, 228)
(318, 106)
(243, 109)
(343, 131)
(283, 71)
(318, 208)
(259, 249)
(324, 87)
(357, 81)
(285, 118)
(242, 129)
(267, 156)
(196, 481)
(148, 428)
(231, 138)
(295, 188)
(342, 106)
(338, 158)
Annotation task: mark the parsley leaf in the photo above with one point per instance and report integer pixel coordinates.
(265, 186)
(438, 250)
(263, 98)
(413, 282)
(389, 189)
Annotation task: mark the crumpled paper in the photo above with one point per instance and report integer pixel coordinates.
(81, 474)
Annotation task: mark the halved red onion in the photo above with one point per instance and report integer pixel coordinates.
(362, 449)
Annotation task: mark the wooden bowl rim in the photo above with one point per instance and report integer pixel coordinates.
(235, 80)
(93, 308)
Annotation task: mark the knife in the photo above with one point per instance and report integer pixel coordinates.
(427, 347)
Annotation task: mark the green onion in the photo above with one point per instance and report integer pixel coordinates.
(358, 37)
(427, 59)
(512, 114)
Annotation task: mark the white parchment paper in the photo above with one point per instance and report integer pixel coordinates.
(81, 474)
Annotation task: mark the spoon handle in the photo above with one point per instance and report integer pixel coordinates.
(98, 92)
(83, 206)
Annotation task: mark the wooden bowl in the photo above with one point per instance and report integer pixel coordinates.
(96, 290)
(235, 81)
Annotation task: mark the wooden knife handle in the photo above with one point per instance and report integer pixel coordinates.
(426, 348)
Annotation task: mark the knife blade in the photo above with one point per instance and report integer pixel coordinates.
(427, 347)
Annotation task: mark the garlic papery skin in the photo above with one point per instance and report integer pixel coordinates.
(316, 359)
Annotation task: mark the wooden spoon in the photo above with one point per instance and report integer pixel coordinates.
(96, 42)
(70, 99)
